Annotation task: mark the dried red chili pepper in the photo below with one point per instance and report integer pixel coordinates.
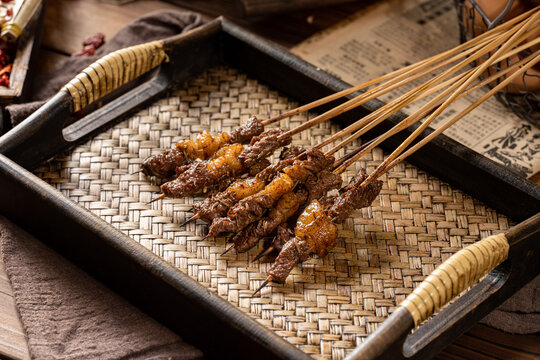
(9, 14)
(3, 57)
(4, 80)
(5, 69)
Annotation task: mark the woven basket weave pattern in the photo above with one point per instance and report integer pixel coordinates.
(328, 305)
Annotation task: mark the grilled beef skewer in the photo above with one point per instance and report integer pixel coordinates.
(316, 230)
(203, 175)
(204, 146)
(229, 161)
(218, 205)
(315, 187)
(254, 207)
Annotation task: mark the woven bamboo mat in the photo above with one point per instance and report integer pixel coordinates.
(328, 305)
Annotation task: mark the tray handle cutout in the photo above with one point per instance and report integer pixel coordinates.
(112, 71)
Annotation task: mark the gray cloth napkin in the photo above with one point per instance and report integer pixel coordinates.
(68, 315)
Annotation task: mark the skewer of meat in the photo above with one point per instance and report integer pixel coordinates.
(316, 230)
(216, 206)
(253, 207)
(228, 162)
(315, 187)
(204, 146)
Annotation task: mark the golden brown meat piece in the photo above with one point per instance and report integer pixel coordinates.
(314, 233)
(203, 174)
(204, 146)
(316, 228)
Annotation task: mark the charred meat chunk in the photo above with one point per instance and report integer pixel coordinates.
(246, 131)
(163, 165)
(263, 146)
(354, 197)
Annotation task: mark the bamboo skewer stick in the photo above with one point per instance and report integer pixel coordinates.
(375, 142)
(406, 70)
(395, 157)
(386, 111)
(367, 96)
(475, 53)
(352, 154)
(478, 71)
(450, 122)
(375, 117)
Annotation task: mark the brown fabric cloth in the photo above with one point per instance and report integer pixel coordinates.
(68, 315)
(154, 26)
(521, 313)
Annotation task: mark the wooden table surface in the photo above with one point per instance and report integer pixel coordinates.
(68, 22)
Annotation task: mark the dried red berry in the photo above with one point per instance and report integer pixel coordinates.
(97, 40)
(90, 44)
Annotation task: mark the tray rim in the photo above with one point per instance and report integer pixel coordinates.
(158, 267)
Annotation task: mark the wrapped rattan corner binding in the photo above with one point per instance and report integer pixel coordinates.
(476, 17)
(112, 71)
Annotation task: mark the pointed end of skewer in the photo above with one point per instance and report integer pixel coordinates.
(194, 217)
(228, 249)
(162, 196)
(207, 236)
(136, 172)
(265, 252)
(268, 279)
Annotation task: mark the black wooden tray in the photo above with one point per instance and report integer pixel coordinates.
(199, 315)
